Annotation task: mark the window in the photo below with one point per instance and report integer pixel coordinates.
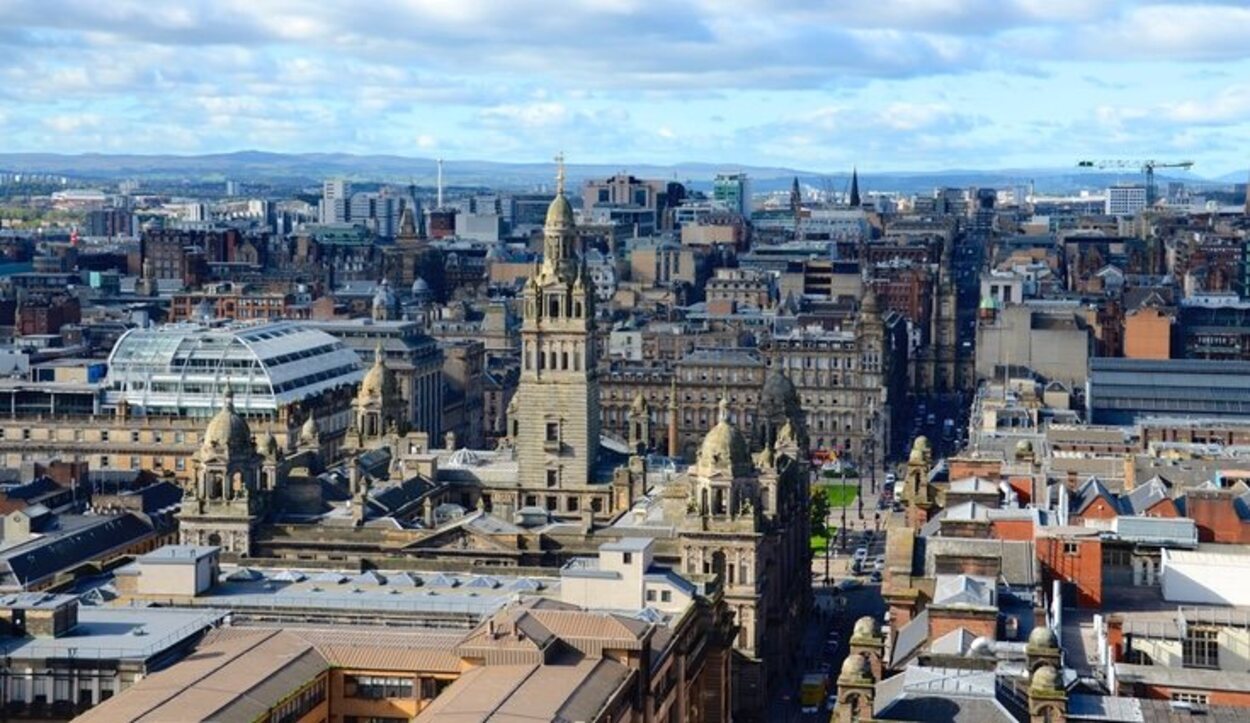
(104, 435)
(298, 705)
(1071, 548)
(1201, 649)
(377, 687)
(1190, 697)
(553, 431)
(553, 477)
(570, 504)
(651, 596)
(666, 596)
(627, 558)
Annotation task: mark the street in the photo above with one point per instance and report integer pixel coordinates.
(824, 644)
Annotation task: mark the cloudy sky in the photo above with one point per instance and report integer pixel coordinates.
(885, 84)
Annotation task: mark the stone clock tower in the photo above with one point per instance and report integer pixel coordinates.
(556, 434)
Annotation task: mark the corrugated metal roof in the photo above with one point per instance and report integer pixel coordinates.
(1162, 530)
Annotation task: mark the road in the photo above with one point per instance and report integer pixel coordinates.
(837, 611)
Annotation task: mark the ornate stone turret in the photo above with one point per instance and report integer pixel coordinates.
(310, 435)
(779, 406)
(1048, 701)
(385, 303)
(855, 690)
(1042, 648)
(377, 409)
(868, 642)
(919, 495)
(724, 452)
(225, 501)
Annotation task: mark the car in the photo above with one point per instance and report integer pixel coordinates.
(848, 583)
(890, 478)
(861, 553)
(878, 565)
(875, 576)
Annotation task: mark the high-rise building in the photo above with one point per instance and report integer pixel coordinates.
(733, 191)
(1125, 200)
(379, 212)
(336, 201)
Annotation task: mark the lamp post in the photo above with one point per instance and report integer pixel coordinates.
(871, 444)
(842, 483)
(828, 542)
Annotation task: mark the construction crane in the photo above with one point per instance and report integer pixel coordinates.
(1147, 167)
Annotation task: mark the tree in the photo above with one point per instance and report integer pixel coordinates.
(820, 512)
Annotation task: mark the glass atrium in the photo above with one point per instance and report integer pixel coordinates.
(184, 369)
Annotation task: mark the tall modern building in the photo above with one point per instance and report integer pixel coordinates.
(336, 201)
(1125, 200)
(733, 191)
(557, 437)
(380, 213)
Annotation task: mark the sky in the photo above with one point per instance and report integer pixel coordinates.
(883, 84)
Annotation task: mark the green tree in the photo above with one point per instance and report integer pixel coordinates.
(820, 512)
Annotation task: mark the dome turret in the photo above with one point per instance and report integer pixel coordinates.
(1043, 637)
(559, 213)
(724, 449)
(227, 430)
(379, 381)
(865, 627)
(1045, 678)
(870, 304)
(384, 302)
(855, 666)
(267, 445)
(309, 434)
(779, 395)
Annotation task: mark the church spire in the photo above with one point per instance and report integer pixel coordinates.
(854, 187)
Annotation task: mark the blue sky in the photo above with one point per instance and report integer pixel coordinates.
(885, 85)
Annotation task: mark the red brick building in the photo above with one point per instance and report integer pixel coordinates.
(1073, 556)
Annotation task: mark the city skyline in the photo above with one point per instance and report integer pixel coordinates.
(900, 85)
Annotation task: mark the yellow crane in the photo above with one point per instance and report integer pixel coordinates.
(1147, 167)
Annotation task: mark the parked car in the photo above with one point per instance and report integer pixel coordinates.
(875, 576)
(861, 553)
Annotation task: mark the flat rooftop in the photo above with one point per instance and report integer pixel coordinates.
(117, 633)
(394, 593)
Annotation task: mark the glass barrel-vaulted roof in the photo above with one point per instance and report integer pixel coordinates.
(184, 369)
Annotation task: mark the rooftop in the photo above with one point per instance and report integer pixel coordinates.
(117, 633)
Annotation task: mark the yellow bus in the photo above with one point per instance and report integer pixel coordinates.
(812, 692)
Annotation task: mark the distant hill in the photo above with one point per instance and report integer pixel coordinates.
(262, 166)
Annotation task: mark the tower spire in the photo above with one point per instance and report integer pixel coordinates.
(560, 173)
(440, 183)
(854, 187)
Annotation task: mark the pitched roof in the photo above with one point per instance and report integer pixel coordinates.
(85, 540)
(1090, 492)
(1143, 497)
